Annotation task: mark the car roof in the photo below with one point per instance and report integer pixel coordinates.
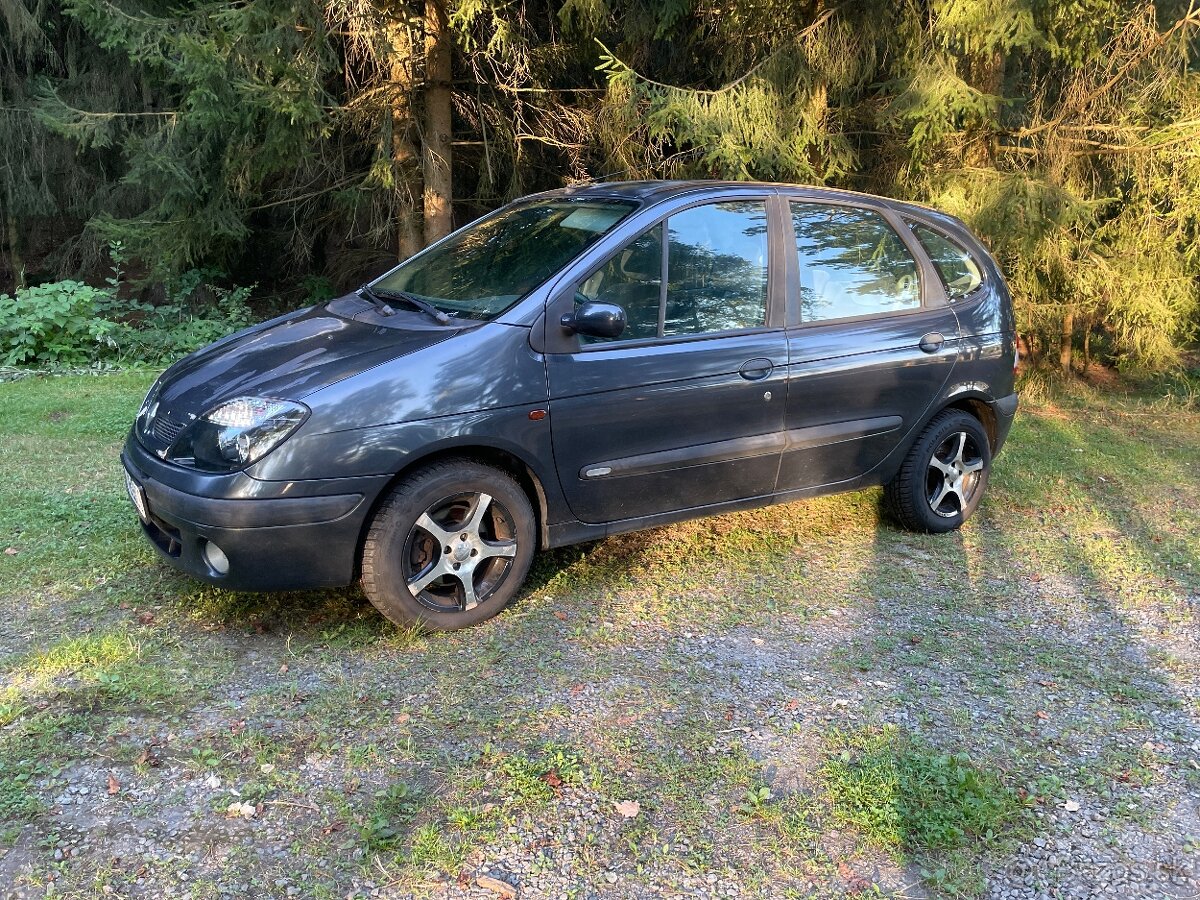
(649, 191)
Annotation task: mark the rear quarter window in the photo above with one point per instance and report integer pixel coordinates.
(959, 270)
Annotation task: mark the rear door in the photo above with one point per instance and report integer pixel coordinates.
(686, 408)
(872, 340)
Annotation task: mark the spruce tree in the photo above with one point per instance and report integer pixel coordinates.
(1065, 134)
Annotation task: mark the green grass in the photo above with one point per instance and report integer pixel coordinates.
(59, 496)
(901, 794)
(384, 824)
(91, 669)
(941, 811)
(628, 670)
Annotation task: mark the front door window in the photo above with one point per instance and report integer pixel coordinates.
(716, 263)
(632, 279)
(717, 269)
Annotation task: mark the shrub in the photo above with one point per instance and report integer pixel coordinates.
(59, 324)
(172, 329)
(69, 324)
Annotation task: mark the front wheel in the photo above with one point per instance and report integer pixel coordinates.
(944, 475)
(449, 547)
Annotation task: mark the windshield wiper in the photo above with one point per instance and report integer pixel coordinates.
(413, 300)
(384, 309)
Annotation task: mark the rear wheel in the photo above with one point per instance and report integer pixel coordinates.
(944, 475)
(449, 547)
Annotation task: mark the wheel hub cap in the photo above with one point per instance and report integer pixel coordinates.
(460, 551)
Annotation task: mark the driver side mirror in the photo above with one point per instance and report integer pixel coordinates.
(595, 319)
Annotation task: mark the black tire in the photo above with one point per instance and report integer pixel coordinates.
(944, 476)
(430, 532)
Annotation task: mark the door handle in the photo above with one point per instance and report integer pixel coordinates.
(932, 342)
(756, 369)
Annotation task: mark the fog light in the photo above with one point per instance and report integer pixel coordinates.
(216, 558)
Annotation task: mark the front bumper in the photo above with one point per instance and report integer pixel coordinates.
(270, 543)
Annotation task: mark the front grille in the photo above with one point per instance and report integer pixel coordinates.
(166, 430)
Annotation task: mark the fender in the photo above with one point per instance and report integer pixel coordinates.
(995, 413)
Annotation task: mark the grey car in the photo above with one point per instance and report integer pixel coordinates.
(582, 363)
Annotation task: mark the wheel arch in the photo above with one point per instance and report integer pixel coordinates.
(973, 402)
(496, 457)
(976, 405)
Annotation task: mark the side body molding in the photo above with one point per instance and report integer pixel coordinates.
(741, 448)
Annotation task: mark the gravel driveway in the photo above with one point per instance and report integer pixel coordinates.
(661, 714)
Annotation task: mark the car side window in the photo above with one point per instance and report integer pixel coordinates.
(717, 268)
(632, 279)
(716, 275)
(960, 272)
(852, 263)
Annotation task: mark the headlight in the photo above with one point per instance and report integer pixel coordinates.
(149, 408)
(237, 432)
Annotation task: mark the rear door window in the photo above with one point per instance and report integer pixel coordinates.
(852, 263)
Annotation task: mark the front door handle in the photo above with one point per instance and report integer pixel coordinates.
(932, 342)
(756, 369)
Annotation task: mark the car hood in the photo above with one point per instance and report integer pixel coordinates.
(292, 356)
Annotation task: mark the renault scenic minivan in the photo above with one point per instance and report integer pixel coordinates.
(580, 363)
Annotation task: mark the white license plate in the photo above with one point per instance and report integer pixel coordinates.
(137, 497)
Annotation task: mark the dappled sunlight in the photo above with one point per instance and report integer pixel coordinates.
(703, 670)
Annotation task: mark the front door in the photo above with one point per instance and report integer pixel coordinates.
(874, 346)
(686, 407)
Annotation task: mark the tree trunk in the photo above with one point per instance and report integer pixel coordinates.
(406, 167)
(1087, 343)
(1068, 340)
(438, 102)
(12, 237)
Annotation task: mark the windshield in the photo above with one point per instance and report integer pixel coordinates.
(481, 272)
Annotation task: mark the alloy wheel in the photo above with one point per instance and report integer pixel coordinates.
(953, 475)
(459, 551)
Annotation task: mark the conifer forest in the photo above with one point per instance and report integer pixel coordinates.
(300, 146)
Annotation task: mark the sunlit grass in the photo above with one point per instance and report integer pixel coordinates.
(597, 673)
(88, 656)
(903, 795)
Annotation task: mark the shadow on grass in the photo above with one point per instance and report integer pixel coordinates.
(1032, 655)
(261, 611)
(1032, 608)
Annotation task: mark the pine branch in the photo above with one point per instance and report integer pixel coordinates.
(742, 79)
(89, 114)
(509, 89)
(1192, 18)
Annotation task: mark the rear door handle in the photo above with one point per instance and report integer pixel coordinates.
(756, 369)
(932, 342)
